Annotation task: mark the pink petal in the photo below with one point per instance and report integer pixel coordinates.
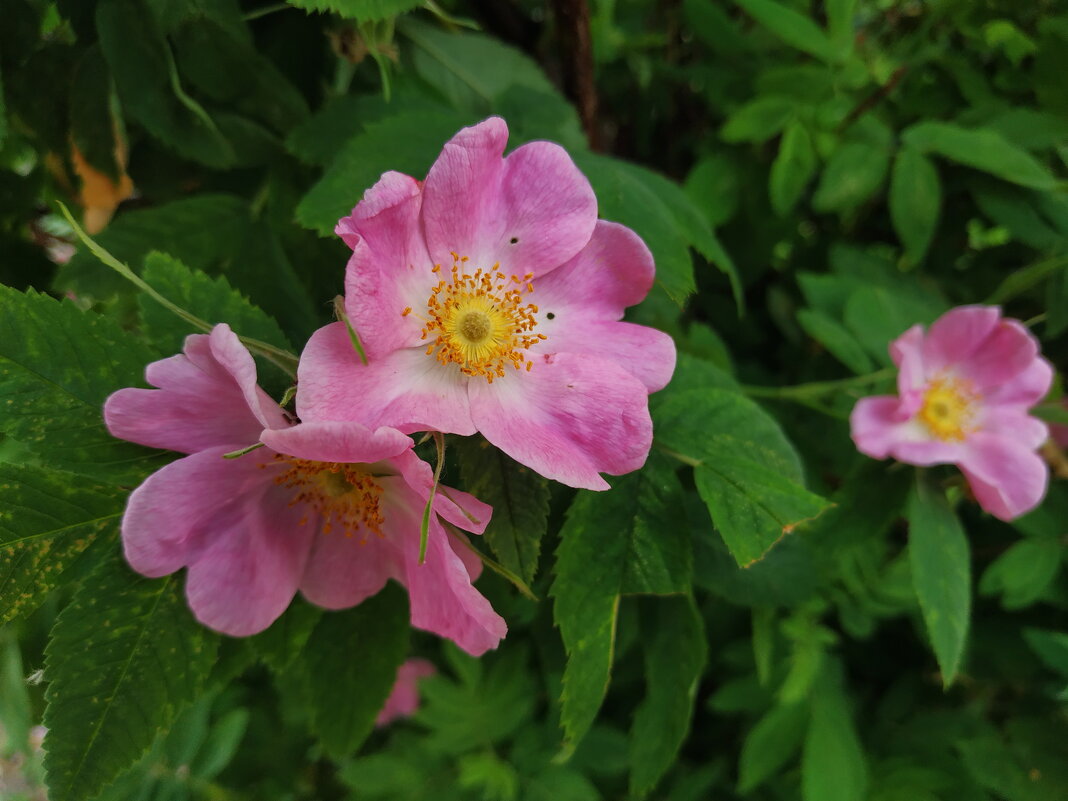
(880, 429)
(403, 699)
(530, 212)
(174, 512)
(390, 268)
(647, 354)
(1006, 353)
(443, 600)
(338, 442)
(251, 564)
(406, 389)
(1013, 422)
(1025, 389)
(956, 335)
(1008, 479)
(459, 508)
(570, 418)
(470, 559)
(344, 571)
(235, 359)
(613, 271)
(907, 353)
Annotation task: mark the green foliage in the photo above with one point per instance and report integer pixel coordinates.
(359, 9)
(107, 694)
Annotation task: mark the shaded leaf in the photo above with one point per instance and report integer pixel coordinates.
(915, 201)
(359, 9)
(833, 767)
(792, 169)
(759, 120)
(792, 27)
(771, 744)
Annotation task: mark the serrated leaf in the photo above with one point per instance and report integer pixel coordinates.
(915, 201)
(520, 501)
(47, 519)
(211, 299)
(408, 143)
(360, 10)
(627, 540)
(771, 744)
(746, 471)
(793, 28)
(124, 657)
(57, 365)
(350, 663)
(792, 169)
(941, 574)
(675, 652)
(982, 149)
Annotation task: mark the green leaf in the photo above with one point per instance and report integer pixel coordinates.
(408, 143)
(877, 315)
(713, 187)
(840, 22)
(982, 149)
(675, 650)
(284, 641)
(833, 767)
(124, 657)
(854, 172)
(915, 202)
(630, 539)
(47, 519)
(1023, 573)
(211, 299)
(520, 501)
(841, 343)
(57, 365)
(1051, 647)
(771, 744)
(746, 471)
(350, 664)
(941, 574)
(360, 10)
(793, 168)
(793, 28)
(759, 120)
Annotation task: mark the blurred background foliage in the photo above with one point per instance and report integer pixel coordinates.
(813, 177)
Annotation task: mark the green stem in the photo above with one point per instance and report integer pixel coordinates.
(424, 528)
(493, 565)
(817, 388)
(263, 12)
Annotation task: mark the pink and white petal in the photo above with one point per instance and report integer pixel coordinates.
(443, 600)
(330, 441)
(403, 699)
(1014, 423)
(389, 269)
(1026, 389)
(1007, 478)
(907, 353)
(249, 570)
(198, 405)
(880, 429)
(459, 508)
(646, 353)
(613, 271)
(407, 389)
(570, 418)
(343, 571)
(235, 359)
(956, 335)
(530, 212)
(1005, 354)
(470, 559)
(174, 512)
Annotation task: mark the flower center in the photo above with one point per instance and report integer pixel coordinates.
(346, 495)
(479, 320)
(948, 409)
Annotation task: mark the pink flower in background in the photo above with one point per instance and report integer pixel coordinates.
(489, 298)
(403, 699)
(964, 390)
(332, 509)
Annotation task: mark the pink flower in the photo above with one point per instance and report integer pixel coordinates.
(489, 298)
(964, 391)
(332, 509)
(404, 697)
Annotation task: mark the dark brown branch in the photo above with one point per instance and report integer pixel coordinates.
(576, 55)
(872, 100)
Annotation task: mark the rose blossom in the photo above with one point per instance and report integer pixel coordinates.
(964, 390)
(332, 509)
(489, 298)
(403, 699)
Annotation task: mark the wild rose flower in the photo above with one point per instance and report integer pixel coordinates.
(403, 699)
(331, 509)
(964, 389)
(489, 298)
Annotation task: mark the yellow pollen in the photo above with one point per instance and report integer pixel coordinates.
(947, 409)
(479, 320)
(345, 495)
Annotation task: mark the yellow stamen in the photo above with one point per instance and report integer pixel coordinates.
(346, 496)
(480, 322)
(948, 408)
